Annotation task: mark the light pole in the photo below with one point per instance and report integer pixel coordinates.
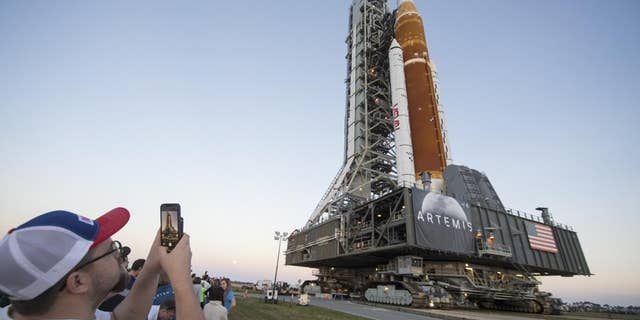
(278, 237)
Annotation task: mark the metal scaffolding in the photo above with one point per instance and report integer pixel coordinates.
(368, 170)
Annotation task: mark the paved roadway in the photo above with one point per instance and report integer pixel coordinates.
(380, 313)
(367, 311)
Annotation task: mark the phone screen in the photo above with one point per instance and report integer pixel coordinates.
(170, 225)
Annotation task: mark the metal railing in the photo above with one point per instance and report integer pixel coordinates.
(495, 249)
(536, 218)
(361, 245)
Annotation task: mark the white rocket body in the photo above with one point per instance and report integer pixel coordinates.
(400, 108)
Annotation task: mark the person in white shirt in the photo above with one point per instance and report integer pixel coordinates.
(215, 310)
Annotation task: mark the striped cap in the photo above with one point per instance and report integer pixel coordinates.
(38, 253)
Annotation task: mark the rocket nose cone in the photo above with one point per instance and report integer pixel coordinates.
(403, 1)
(394, 44)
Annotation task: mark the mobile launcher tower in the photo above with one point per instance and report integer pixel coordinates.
(399, 223)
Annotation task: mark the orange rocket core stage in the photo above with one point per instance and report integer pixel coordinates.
(426, 133)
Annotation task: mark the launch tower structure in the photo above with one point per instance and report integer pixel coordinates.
(369, 160)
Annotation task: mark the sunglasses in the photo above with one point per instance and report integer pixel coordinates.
(116, 248)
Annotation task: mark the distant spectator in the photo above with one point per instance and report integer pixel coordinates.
(4, 300)
(214, 310)
(136, 267)
(125, 262)
(164, 291)
(229, 297)
(197, 289)
(165, 311)
(206, 285)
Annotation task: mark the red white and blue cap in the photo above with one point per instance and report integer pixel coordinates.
(37, 254)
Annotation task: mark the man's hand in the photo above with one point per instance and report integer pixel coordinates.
(177, 263)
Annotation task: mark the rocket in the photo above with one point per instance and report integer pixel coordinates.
(400, 111)
(425, 126)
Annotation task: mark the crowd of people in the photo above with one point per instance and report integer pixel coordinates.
(204, 286)
(60, 265)
(216, 296)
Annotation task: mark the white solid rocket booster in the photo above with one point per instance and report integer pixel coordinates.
(400, 108)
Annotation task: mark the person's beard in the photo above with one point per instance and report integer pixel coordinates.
(123, 277)
(106, 286)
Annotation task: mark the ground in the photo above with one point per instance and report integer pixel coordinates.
(253, 308)
(601, 315)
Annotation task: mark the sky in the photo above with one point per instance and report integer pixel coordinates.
(236, 109)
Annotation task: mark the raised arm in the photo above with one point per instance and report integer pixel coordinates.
(177, 265)
(138, 302)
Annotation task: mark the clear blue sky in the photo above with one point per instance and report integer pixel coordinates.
(236, 109)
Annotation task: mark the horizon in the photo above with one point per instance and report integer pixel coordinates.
(236, 111)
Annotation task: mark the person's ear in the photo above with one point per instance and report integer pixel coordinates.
(78, 283)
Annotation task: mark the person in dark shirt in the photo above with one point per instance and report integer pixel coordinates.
(136, 267)
(164, 291)
(4, 300)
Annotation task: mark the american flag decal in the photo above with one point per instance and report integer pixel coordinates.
(541, 237)
(85, 220)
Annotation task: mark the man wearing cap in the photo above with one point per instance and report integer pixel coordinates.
(61, 265)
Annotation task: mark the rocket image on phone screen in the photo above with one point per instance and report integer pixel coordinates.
(170, 234)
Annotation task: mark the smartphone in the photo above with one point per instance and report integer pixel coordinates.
(170, 225)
